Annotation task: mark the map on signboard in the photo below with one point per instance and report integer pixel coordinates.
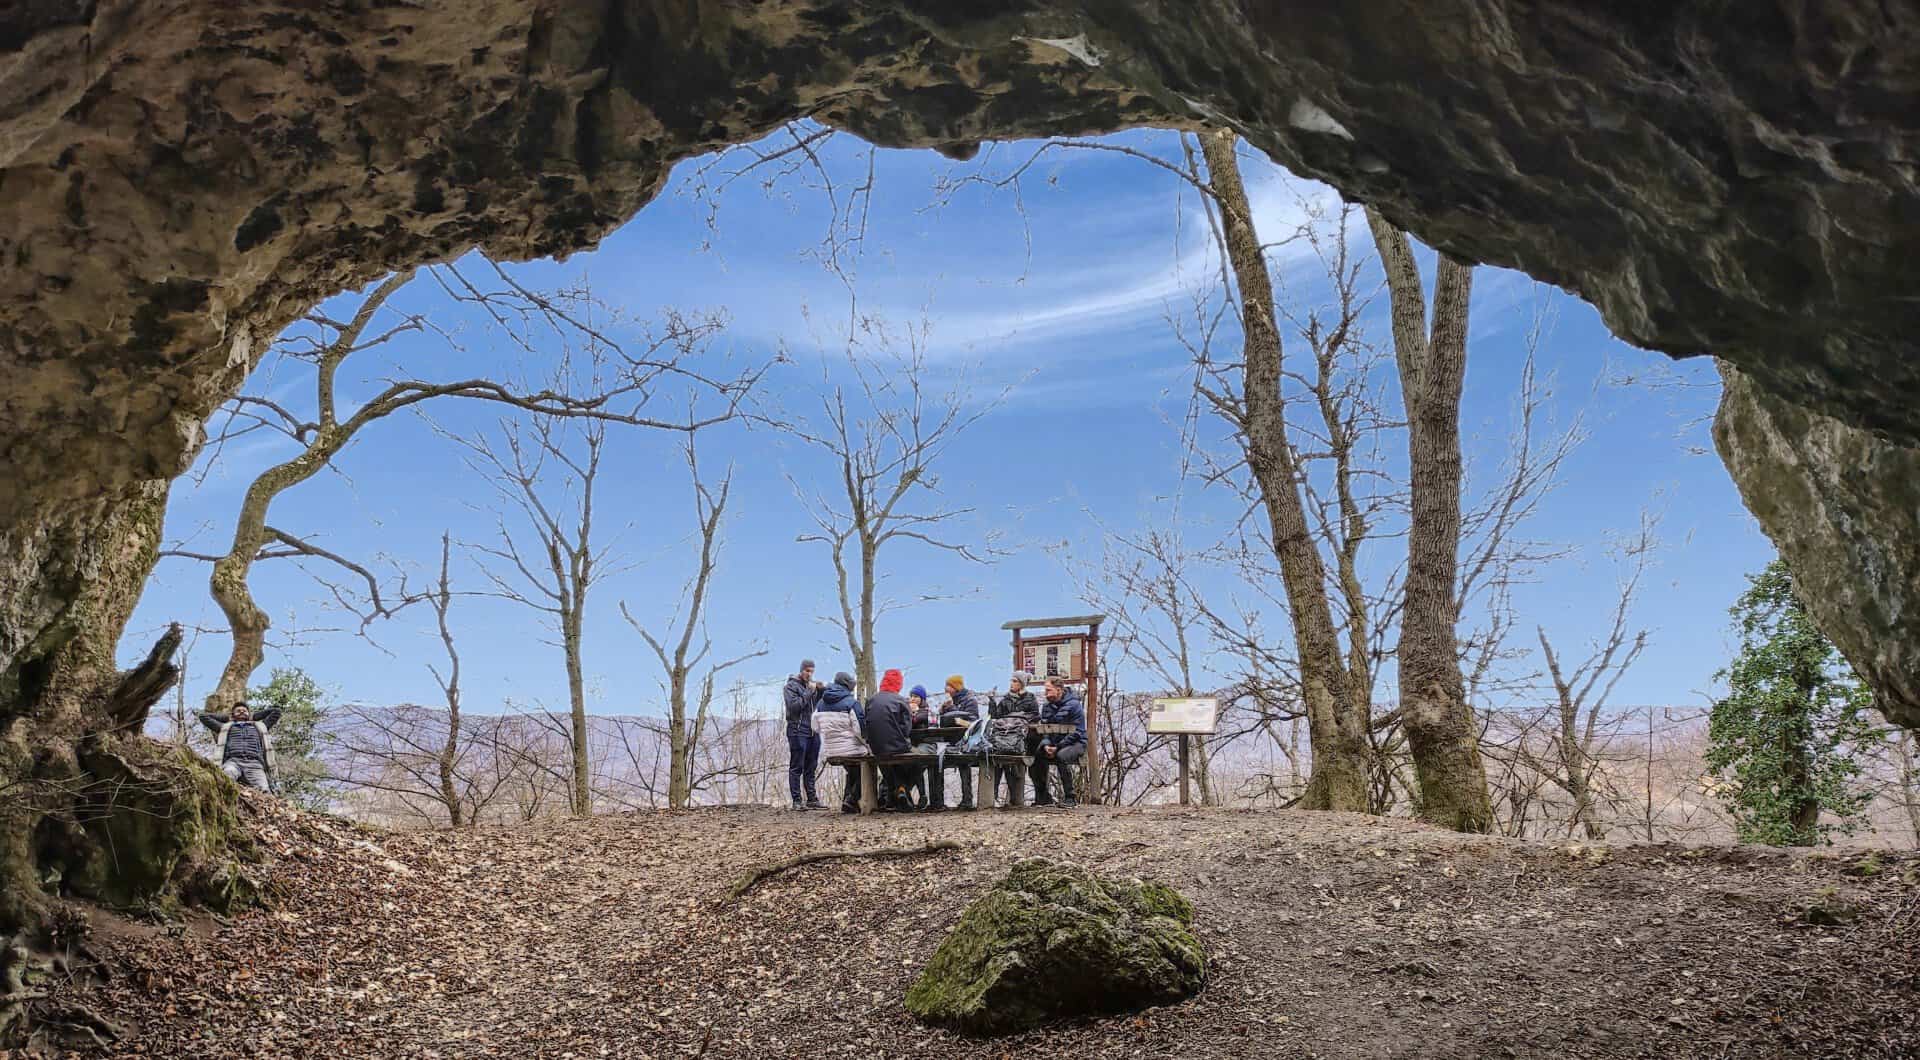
(1193, 716)
(1060, 657)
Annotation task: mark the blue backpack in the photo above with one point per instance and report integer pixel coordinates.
(974, 740)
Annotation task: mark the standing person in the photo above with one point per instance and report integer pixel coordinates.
(803, 744)
(889, 729)
(1018, 703)
(1059, 751)
(840, 725)
(245, 745)
(963, 708)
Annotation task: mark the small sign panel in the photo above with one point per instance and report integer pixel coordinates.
(1193, 716)
(1062, 657)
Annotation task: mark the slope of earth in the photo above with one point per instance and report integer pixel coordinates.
(1329, 936)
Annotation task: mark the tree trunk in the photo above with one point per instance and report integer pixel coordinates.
(679, 768)
(1909, 784)
(1439, 723)
(866, 672)
(581, 796)
(1336, 731)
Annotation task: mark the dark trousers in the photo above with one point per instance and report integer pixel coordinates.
(1063, 761)
(1015, 779)
(803, 759)
(850, 791)
(900, 781)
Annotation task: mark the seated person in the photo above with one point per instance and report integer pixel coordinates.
(1017, 703)
(928, 793)
(1059, 751)
(244, 743)
(962, 709)
(839, 724)
(889, 729)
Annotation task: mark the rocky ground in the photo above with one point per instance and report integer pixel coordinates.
(1328, 935)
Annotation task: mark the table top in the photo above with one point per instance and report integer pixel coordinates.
(1051, 729)
(942, 732)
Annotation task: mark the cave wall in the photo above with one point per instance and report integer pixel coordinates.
(180, 178)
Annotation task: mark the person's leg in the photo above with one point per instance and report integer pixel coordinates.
(813, 769)
(1016, 779)
(1042, 765)
(850, 791)
(254, 775)
(1068, 762)
(936, 785)
(798, 739)
(231, 768)
(966, 785)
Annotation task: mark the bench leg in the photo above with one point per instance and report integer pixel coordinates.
(869, 788)
(983, 788)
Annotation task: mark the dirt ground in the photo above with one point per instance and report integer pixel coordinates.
(1328, 936)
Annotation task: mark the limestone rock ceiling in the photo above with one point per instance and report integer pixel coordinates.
(179, 178)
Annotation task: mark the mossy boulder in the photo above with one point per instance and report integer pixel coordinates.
(1055, 941)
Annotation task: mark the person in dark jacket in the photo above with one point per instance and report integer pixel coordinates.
(245, 744)
(962, 709)
(803, 744)
(840, 725)
(1019, 702)
(927, 792)
(889, 732)
(1059, 751)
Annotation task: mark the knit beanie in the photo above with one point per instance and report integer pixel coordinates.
(956, 681)
(844, 680)
(891, 681)
(920, 691)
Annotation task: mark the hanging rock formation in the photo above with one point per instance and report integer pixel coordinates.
(180, 178)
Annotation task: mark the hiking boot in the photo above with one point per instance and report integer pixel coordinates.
(816, 804)
(1068, 804)
(849, 809)
(938, 807)
(1043, 802)
(965, 806)
(798, 805)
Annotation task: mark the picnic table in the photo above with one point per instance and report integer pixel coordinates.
(983, 785)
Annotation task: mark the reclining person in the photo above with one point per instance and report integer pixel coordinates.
(246, 748)
(839, 727)
(889, 732)
(962, 709)
(1017, 703)
(1059, 751)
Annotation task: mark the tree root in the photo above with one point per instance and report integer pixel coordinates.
(764, 872)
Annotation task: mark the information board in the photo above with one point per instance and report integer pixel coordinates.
(1195, 717)
(1062, 657)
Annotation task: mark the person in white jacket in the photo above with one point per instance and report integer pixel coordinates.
(841, 726)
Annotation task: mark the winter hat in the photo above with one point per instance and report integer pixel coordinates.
(921, 691)
(891, 681)
(844, 680)
(1023, 677)
(956, 681)
(806, 664)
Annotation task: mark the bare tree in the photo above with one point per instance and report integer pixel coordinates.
(885, 443)
(1338, 712)
(1581, 692)
(1439, 722)
(678, 665)
(621, 395)
(441, 600)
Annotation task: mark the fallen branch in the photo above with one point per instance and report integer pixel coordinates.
(753, 879)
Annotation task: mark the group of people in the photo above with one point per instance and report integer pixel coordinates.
(829, 721)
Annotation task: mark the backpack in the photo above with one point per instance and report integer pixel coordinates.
(974, 740)
(1007, 736)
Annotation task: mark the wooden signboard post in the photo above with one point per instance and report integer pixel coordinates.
(1184, 717)
(1073, 657)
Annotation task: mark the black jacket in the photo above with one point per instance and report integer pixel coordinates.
(889, 723)
(801, 698)
(1021, 704)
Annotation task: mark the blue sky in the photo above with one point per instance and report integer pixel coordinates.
(1058, 294)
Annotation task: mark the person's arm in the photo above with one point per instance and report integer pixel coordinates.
(268, 718)
(793, 700)
(213, 722)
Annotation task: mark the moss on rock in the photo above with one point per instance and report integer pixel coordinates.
(1054, 940)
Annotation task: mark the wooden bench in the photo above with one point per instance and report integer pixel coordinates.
(870, 773)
